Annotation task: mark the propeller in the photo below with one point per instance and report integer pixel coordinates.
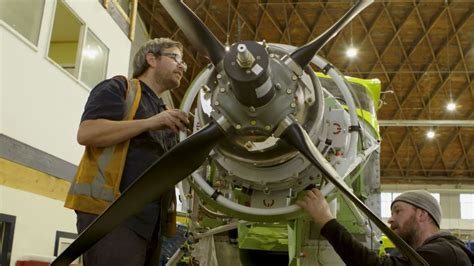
(296, 136)
(197, 33)
(176, 164)
(167, 171)
(303, 55)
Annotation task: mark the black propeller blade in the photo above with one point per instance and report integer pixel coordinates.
(303, 55)
(174, 166)
(197, 33)
(298, 138)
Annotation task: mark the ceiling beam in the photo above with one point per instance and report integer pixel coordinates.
(426, 180)
(394, 157)
(426, 123)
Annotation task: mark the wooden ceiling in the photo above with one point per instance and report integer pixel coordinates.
(422, 51)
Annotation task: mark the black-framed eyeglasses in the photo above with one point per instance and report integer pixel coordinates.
(178, 58)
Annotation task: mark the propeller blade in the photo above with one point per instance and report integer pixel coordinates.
(167, 171)
(296, 136)
(197, 33)
(303, 55)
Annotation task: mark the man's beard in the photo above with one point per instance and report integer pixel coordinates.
(410, 230)
(168, 82)
(173, 84)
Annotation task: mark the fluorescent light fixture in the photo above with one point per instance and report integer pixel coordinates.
(430, 134)
(352, 52)
(451, 106)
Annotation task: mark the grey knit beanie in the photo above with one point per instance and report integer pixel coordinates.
(423, 200)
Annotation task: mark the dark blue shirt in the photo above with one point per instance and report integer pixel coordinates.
(107, 101)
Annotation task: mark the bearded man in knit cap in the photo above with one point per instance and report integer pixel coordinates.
(416, 218)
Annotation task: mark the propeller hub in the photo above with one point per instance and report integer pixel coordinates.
(251, 155)
(245, 59)
(247, 67)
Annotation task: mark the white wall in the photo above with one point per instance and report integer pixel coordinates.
(37, 220)
(40, 104)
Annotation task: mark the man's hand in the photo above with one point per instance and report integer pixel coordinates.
(174, 119)
(316, 206)
(103, 132)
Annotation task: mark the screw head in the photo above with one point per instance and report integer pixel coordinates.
(253, 122)
(288, 91)
(238, 126)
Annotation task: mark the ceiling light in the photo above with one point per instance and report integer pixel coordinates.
(351, 52)
(451, 106)
(430, 134)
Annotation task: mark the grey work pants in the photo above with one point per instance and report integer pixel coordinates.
(121, 247)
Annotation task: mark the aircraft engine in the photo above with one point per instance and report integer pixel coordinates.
(254, 160)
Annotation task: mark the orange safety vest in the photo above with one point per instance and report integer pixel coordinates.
(97, 181)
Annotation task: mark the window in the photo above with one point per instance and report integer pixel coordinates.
(76, 49)
(386, 202)
(7, 229)
(467, 205)
(436, 196)
(64, 42)
(24, 16)
(388, 197)
(62, 241)
(94, 60)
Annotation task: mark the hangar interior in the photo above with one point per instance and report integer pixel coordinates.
(53, 52)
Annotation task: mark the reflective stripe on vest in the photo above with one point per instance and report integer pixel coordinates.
(97, 188)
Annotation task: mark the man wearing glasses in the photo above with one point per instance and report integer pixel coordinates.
(126, 127)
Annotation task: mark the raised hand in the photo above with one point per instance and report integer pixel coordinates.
(317, 207)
